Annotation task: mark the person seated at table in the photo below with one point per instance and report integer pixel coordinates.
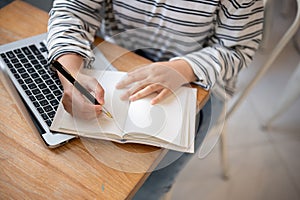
(204, 42)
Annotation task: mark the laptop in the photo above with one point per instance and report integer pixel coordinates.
(25, 68)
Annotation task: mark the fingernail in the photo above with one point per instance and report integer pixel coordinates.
(152, 102)
(131, 98)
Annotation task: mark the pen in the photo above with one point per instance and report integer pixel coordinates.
(78, 86)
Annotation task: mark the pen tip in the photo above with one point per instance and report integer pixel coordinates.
(109, 115)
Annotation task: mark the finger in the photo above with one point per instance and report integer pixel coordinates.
(161, 96)
(91, 112)
(95, 87)
(135, 88)
(131, 77)
(78, 106)
(145, 91)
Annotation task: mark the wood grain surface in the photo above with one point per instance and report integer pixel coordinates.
(81, 169)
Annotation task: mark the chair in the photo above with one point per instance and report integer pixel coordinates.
(275, 52)
(292, 93)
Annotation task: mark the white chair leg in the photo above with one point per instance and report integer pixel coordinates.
(224, 153)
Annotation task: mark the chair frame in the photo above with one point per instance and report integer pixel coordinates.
(275, 52)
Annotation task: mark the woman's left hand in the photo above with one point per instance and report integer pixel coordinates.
(160, 77)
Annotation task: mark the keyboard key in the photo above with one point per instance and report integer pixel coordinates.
(6, 60)
(18, 65)
(49, 82)
(38, 80)
(26, 51)
(40, 57)
(51, 114)
(14, 60)
(46, 91)
(3, 55)
(10, 66)
(40, 97)
(31, 70)
(49, 122)
(32, 98)
(40, 110)
(57, 82)
(25, 75)
(48, 108)
(27, 65)
(34, 75)
(36, 104)
(43, 62)
(54, 102)
(36, 91)
(38, 66)
(13, 71)
(57, 93)
(32, 86)
(53, 87)
(24, 60)
(21, 70)
(34, 62)
(28, 92)
(41, 71)
(20, 56)
(42, 86)
(34, 49)
(45, 76)
(20, 81)
(17, 51)
(10, 54)
(24, 87)
(31, 57)
(44, 103)
(17, 76)
(50, 97)
(28, 80)
(44, 116)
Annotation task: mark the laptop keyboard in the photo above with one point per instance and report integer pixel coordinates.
(43, 87)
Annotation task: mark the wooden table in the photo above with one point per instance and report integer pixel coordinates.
(29, 170)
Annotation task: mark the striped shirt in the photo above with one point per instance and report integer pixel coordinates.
(216, 37)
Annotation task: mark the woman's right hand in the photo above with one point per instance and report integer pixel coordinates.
(73, 101)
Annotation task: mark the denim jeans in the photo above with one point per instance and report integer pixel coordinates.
(162, 178)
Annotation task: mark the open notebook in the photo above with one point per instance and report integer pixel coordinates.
(169, 124)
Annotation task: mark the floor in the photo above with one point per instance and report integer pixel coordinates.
(264, 164)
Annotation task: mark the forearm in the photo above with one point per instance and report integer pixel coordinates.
(71, 27)
(73, 63)
(183, 68)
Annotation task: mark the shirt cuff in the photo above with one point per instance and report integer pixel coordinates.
(200, 76)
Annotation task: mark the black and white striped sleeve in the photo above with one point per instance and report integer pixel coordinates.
(72, 26)
(231, 47)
